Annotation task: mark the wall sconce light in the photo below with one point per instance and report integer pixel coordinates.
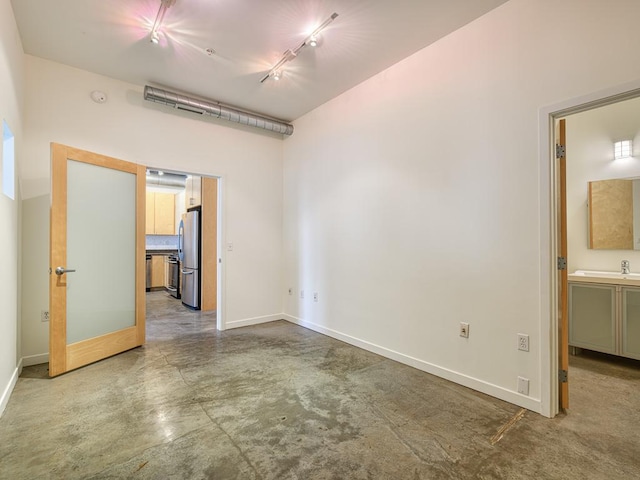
(311, 40)
(622, 149)
(164, 5)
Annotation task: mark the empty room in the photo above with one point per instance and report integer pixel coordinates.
(319, 239)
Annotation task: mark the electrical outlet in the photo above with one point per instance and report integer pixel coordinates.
(523, 385)
(464, 329)
(302, 294)
(44, 315)
(315, 297)
(523, 342)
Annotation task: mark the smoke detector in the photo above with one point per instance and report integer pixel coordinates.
(98, 96)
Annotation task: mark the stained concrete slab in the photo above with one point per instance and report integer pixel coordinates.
(277, 401)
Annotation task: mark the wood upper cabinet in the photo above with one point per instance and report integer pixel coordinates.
(150, 220)
(160, 214)
(165, 214)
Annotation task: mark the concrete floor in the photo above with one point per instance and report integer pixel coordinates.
(277, 401)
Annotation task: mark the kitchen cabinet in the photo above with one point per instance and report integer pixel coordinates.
(193, 191)
(160, 214)
(158, 270)
(630, 334)
(592, 317)
(605, 318)
(150, 214)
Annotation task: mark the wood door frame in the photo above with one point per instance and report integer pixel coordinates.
(563, 321)
(549, 244)
(209, 252)
(63, 357)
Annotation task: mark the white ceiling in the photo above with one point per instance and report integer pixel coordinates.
(111, 37)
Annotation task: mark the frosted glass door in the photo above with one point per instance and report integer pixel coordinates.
(101, 247)
(97, 271)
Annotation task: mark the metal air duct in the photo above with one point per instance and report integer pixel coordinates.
(167, 179)
(203, 107)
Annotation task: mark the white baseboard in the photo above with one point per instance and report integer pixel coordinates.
(254, 321)
(533, 404)
(4, 400)
(35, 359)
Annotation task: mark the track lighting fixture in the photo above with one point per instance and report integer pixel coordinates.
(164, 5)
(311, 40)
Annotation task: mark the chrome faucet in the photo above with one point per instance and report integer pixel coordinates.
(625, 266)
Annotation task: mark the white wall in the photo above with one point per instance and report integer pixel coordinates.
(11, 100)
(35, 279)
(59, 109)
(412, 202)
(590, 137)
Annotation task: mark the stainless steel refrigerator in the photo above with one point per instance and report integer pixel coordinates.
(189, 252)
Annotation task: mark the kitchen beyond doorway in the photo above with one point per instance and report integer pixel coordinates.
(170, 196)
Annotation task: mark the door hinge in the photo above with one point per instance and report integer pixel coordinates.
(562, 263)
(560, 151)
(563, 376)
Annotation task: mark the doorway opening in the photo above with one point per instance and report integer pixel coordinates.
(183, 231)
(593, 124)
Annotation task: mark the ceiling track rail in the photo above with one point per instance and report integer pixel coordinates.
(203, 107)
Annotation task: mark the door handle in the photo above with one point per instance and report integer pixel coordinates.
(62, 270)
(184, 272)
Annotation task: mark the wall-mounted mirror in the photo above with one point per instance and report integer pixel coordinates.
(614, 214)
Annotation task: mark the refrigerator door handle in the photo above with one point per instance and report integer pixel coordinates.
(187, 272)
(181, 241)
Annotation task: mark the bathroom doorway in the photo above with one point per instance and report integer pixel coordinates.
(592, 129)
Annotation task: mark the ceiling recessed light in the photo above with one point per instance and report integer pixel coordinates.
(210, 51)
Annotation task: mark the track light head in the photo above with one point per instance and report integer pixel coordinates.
(311, 40)
(164, 5)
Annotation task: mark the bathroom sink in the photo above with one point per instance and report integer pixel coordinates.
(598, 274)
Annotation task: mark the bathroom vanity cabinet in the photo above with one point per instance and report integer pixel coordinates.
(605, 317)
